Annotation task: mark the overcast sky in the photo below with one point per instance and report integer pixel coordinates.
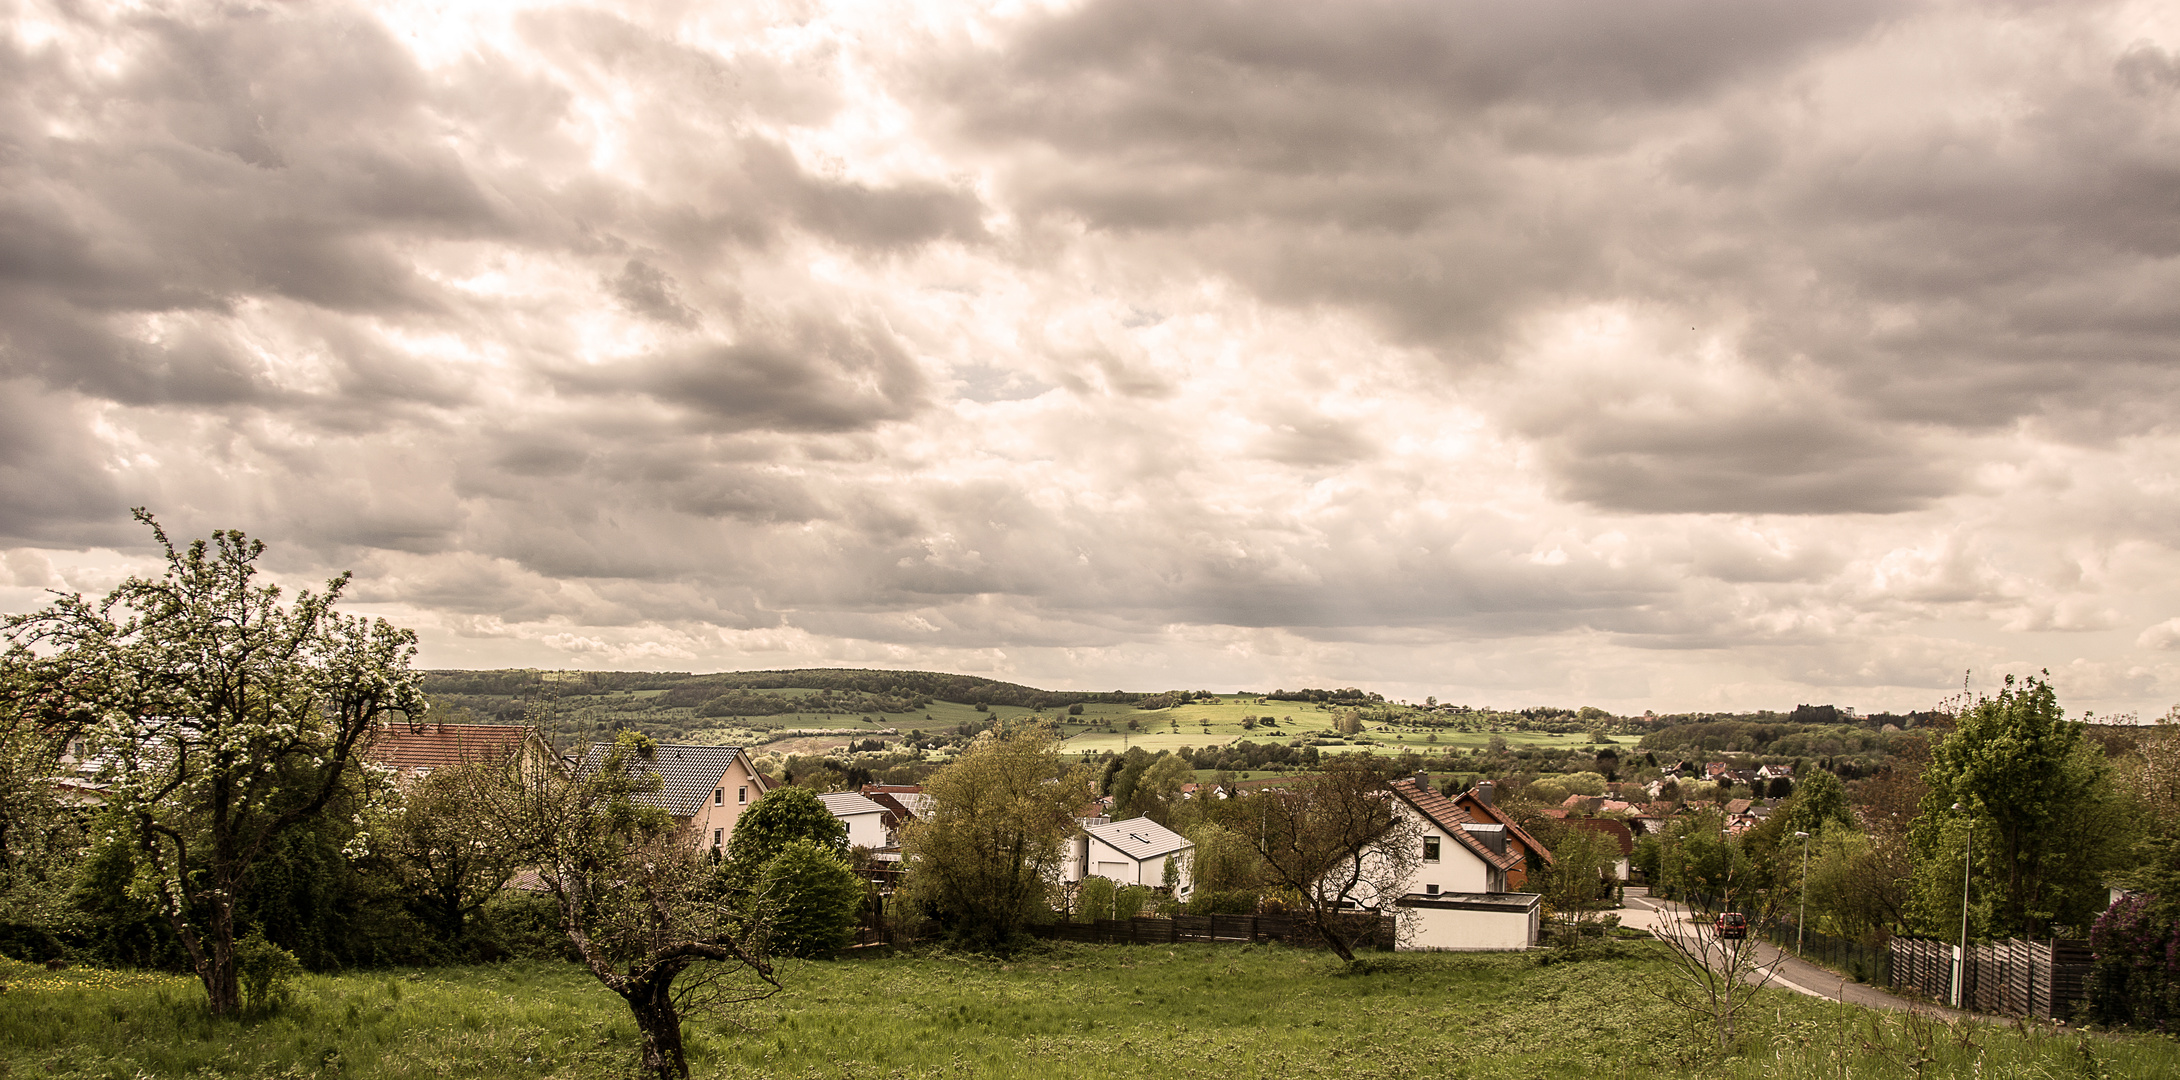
(1687, 354)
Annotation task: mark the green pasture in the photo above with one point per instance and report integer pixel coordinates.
(1091, 1012)
(1100, 728)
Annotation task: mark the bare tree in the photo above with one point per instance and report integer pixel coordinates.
(1716, 975)
(639, 902)
(1341, 839)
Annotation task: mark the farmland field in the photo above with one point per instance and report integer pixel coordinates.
(1101, 727)
(1102, 1012)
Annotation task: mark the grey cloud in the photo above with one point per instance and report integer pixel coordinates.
(814, 375)
(54, 488)
(1753, 462)
(648, 291)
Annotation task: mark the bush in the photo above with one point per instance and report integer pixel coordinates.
(267, 972)
(1131, 901)
(1094, 900)
(1223, 902)
(2136, 979)
(812, 897)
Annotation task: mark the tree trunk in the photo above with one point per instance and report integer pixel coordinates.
(222, 988)
(653, 1005)
(1328, 929)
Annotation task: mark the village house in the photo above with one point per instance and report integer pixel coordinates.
(703, 788)
(865, 818)
(1458, 896)
(1480, 803)
(1132, 852)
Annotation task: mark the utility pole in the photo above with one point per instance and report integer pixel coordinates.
(1803, 920)
(1967, 867)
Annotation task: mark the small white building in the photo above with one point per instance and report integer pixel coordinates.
(1131, 852)
(866, 820)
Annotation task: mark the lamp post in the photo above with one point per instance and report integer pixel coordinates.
(1967, 864)
(1803, 919)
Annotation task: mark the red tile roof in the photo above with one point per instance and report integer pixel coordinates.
(434, 745)
(1478, 807)
(1444, 813)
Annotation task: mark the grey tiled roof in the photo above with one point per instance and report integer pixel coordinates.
(1140, 838)
(687, 774)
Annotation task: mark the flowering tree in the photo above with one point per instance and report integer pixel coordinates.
(220, 717)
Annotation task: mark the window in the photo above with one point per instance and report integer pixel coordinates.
(1430, 890)
(719, 796)
(719, 836)
(1430, 849)
(741, 795)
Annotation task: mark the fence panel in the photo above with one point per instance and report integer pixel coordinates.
(2046, 979)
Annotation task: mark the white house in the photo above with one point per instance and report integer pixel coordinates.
(1131, 852)
(866, 820)
(1456, 898)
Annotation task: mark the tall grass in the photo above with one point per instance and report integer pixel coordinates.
(1101, 1012)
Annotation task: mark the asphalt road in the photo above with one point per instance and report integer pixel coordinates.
(1799, 976)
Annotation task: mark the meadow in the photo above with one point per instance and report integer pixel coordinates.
(1100, 728)
(1102, 1012)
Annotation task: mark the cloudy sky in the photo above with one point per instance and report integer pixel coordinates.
(1682, 354)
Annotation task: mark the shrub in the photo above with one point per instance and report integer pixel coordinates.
(812, 897)
(2136, 979)
(267, 972)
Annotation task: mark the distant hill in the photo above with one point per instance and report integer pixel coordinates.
(686, 690)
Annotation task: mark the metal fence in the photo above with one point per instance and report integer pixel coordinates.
(1857, 961)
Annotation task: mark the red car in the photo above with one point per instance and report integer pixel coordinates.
(1732, 926)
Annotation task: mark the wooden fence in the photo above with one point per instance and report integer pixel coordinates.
(1369, 931)
(2046, 979)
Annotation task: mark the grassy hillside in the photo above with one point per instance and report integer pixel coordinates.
(860, 705)
(1100, 1013)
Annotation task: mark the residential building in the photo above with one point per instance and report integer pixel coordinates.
(1132, 852)
(1458, 898)
(703, 788)
(865, 818)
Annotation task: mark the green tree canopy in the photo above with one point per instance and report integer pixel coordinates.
(782, 817)
(982, 859)
(2032, 795)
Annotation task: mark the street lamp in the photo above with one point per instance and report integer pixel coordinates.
(1803, 920)
(1967, 862)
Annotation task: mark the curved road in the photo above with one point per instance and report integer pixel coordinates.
(1794, 974)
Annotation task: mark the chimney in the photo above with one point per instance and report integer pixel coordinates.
(1484, 792)
(1422, 780)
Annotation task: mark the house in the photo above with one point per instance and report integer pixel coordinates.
(1457, 897)
(703, 788)
(865, 818)
(1775, 772)
(1623, 838)
(413, 751)
(1480, 803)
(1131, 852)
(907, 799)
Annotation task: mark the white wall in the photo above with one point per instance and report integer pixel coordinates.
(1466, 931)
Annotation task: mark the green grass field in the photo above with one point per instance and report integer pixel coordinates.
(1094, 1012)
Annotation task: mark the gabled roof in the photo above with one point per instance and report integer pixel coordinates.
(1444, 813)
(1478, 807)
(398, 746)
(1140, 838)
(908, 798)
(845, 804)
(687, 774)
